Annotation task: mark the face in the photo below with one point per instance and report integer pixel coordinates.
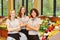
(33, 14)
(12, 13)
(23, 10)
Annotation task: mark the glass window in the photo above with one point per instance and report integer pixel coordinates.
(5, 7)
(0, 7)
(57, 7)
(30, 5)
(48, 7)
(18, 4)
(24, 3)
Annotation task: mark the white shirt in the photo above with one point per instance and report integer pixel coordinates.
(24, 19)
(12, 24)
(33, 22)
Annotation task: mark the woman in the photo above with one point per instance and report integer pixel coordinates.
(13, 26)
(33, 25)
(23, 20)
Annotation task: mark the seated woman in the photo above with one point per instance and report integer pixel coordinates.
(13, 26)
(33, 25)
(23, 21)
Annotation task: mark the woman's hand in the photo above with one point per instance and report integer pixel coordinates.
(18, 28)
(36, 28)
(22, 24)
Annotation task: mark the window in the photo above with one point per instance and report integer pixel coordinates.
(30, 5)
(5, 7)
(57, 7)
(26, 3)
(18, 4)
(48, 7)
(0, 7)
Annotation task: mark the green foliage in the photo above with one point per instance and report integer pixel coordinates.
(3, 27)
(30, 6)
(44, 25)
(47, 7)
(0, 7)
(58, 8)
(18, 4)
(5, 7)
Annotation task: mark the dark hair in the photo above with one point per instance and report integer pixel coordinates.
(35, 10)
(20, 14)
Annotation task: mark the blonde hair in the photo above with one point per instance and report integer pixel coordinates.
(9, 16)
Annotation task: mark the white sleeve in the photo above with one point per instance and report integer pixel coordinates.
(7, 22)
(29, 21)
(18, 19)
(39, 21)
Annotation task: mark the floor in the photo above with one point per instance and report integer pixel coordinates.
(2, 38)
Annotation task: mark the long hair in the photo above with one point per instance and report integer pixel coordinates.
(20, 14)
(9, 16)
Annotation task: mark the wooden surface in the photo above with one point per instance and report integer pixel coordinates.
(55, 37)
(2, 38)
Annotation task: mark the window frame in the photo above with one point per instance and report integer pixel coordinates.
(54, 7)
(1, 7)
(2, 10)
